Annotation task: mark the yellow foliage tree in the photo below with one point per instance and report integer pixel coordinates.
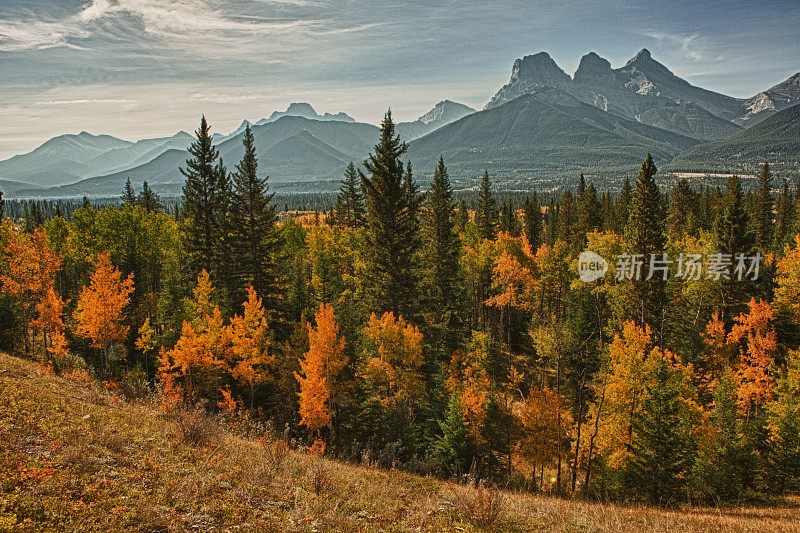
(787, 292)
(319, 369)
(249, 358)
(31, 264)
(393, 370)
(100, 304)
(757, 340)
(468, 377)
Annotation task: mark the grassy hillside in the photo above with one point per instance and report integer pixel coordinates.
(76, 457)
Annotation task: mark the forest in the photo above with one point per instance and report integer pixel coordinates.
(408, 329)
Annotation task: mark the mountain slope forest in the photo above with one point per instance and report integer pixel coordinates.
(407, 331)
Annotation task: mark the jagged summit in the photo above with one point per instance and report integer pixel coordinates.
(593, 68)
(540, 69)
(305, 110)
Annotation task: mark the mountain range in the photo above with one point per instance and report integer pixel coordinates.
(543, 123)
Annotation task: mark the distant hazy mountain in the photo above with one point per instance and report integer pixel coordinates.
(546, 131)
(303, 109)
(775, 139)
(442, 114)
(764, 104)
(10, 188)
(60, 160)
(643, 90)
(69, 158)
(291, 148)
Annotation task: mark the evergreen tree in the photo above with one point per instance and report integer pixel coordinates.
(783, 457)
(590, 210)
(486, 215)
(201, 204)
(149, 200)
(441, 251)
(662, 449)
(391, 277)
(350, 202)
(680, 214)
(2, 206)
(784, 218)
(255, 241)
(566, 217)
(463, 216)
(762, 211)
(128, 195)
(508, 219)
(732, 237)
(624, 205)
(725, 464)
(644, 236)
(533, 222)
(455, 448)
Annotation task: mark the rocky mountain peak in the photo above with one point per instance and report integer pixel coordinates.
(593, 68)
(539, 69)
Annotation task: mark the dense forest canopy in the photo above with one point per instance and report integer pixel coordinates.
(440, 332)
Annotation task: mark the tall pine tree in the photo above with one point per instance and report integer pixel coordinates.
(391, 277)
(349, 208)
(201, 204)
(644, 237)
(762, 210)
(487, 215)
(255, 241)
(442, 281)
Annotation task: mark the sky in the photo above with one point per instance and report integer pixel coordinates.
(149, 68)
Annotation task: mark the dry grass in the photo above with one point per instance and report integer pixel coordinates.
(75, 458)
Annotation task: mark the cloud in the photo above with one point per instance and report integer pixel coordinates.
(83, 101)
(193, 22)
(688, 46)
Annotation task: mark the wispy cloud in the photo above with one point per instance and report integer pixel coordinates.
(688, 46)
(83, 101)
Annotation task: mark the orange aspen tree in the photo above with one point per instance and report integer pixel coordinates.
(31, 265)
(319, 369)
(100, 305)
(50, 320)
(194, 367)
(469, 378)
(249, 350)
(755, 334)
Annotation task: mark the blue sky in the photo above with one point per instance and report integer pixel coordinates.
(140, 68)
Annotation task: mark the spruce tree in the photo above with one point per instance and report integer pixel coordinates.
(680, 214)
(441, 251)
(533, 222)
(663, 448)
(644, 236)
(762, 210)
(724, 464)
(733, 237)
(463, 216)
(2, 206)
(201, 203)
(487, 215)
(350, 202)
(566, 217)
(391, 239)
(590, 210)
(455, 447)
(624, 205)
(149, 200)
(784, 218)
(128, 195)
(255, 241)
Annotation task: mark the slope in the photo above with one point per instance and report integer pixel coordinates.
(545, 133)
(776, 139)
(76, 457)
